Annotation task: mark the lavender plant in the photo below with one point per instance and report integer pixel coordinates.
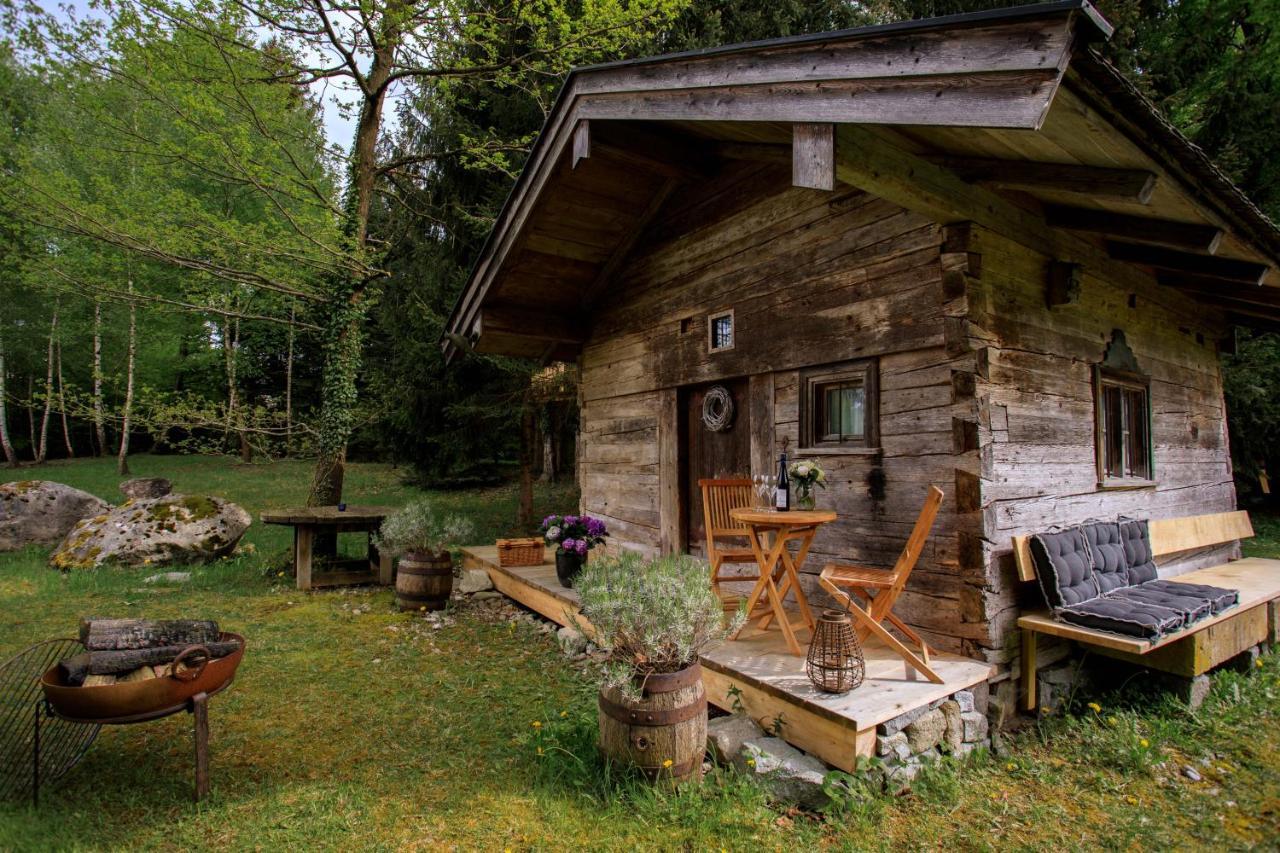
(651, 616)
(418, 527)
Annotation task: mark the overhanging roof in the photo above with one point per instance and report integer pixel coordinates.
(1012, 103)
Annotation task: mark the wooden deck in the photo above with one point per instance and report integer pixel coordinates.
(771, 681)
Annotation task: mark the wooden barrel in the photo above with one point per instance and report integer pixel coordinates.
(424, 580)
(665, 733)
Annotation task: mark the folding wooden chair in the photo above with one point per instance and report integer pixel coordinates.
(878, 589)
(718, 498)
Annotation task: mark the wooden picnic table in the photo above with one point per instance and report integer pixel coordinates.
(309, 521)
(771, 531)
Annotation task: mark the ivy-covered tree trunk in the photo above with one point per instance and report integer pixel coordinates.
(342, 353)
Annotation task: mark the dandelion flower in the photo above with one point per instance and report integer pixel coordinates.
(539, 750)
(1144, 743)
(668, 763)
(1258, 663)
(1112, 721)
(751, 762)
(1131, 800)
(1095, 707)
(564, 714)
(1011, 767)
(279, 574)
(537, 724)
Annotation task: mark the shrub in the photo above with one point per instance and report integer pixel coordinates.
(652, 616)
(417, 527)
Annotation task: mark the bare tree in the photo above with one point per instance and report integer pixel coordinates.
(99, 417)
(10, 457)
(122, 459)
(42, 448)
(62, 404)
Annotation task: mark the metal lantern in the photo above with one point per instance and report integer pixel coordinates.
(835, 663)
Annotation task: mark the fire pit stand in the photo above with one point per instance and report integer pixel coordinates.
(197, 706)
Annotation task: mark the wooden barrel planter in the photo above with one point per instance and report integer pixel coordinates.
(424, 580)
(665, 733)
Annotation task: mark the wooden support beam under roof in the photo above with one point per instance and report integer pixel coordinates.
(525, 321)
(758, 152)
(1116, 184)
(1219, 289)
(1183, 235)
(610, 267)
(667, 154)
(813, 156)
(1210, 266)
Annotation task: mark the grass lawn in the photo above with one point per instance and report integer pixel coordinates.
(370, 730)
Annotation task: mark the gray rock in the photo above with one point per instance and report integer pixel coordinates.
(571, 640)
(964, 699)
(473, 581)
(953, 736)
(1003, 707)
(171, 529)
(726, 735)
(40, 512)
(1191, 773)
(144, 488)
(975, 727)
(888, 744)
(926, 732)
(787, 774)
(900, 722)
(488, 595)
(169, 577)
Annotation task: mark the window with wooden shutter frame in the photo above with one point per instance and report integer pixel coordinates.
(840, 407)
(1124, 446)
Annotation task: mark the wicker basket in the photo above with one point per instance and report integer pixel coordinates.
(520, 552)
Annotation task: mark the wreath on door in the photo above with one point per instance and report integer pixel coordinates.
(717, 409)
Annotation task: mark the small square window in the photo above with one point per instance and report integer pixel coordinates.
(720, 331)
(840, 406)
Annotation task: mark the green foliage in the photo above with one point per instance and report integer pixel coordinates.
(418, 526)
(653, 616)
(1251, 385)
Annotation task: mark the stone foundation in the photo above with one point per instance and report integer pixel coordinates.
(956, 725)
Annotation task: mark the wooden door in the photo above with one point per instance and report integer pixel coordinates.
(706, 453)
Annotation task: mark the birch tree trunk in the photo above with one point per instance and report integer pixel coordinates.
(43, 449)
(122, 459)
(9, 456)
(99, 419)
(31, 412)
(62, 405)
(288, 388)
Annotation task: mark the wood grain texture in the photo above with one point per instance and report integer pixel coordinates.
(813, 156)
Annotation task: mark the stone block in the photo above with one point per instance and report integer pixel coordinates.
(926, 732)
(726, 735)
(1002, 707)
(901, 721)
(964, 699)
(787, 774)
(571, 640)
(888, 744)
(953, 736)
(473, 581)
(974, 727)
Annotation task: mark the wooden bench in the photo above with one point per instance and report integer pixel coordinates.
(1197, 648)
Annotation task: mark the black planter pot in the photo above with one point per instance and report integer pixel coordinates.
(568, 565)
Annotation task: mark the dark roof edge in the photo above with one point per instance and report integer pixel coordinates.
(1130, 103)
(1100, 29)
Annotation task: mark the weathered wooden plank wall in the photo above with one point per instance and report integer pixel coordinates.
(1035, 413)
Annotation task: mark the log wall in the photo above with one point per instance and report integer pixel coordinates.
(1034, 412)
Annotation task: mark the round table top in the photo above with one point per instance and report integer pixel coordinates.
(773, 517)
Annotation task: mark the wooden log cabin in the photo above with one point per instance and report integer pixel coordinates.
(973, 232)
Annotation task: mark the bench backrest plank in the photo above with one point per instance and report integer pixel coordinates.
(1168, 536)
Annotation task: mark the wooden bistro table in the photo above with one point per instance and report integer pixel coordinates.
(771, 531)
(308, 521)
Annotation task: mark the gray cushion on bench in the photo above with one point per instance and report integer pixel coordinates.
(1138, 558)
(1218, 598)
(1192, 608)
(1107, 552)
(1063, 567)
(1131, 618)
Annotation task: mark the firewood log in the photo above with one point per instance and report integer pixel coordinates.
(120, 634)
(142, 673)
(76, 669)
(99, 680)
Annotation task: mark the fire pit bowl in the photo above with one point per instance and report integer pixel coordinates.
(142, 699)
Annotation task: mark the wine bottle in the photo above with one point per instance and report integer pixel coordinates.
(782, 502)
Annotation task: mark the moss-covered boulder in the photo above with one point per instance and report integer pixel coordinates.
(41, 512)
(156, 531)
